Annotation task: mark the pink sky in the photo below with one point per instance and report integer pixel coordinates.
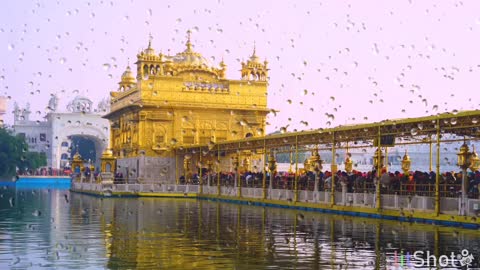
(377, 60)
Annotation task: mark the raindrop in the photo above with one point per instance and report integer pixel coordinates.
(453, 121)
(332, 98)
(414, 131)
(37, 213)
(474, 120)
(173, 141)
(435, 108)
(11, 47)
(283, 130)
(106, 66)
(454, 112)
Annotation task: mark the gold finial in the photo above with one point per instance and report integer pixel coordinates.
(254, 49)
(150, 37)
(128, 62)
(189, 44)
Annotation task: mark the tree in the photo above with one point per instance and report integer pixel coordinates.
(32, 161)
(12, 148)
(14, 153)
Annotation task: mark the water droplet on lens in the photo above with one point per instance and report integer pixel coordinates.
(37, 213)
(414, 131)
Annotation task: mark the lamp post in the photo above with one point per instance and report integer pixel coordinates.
(209, 167)
(306, 165)
(272, 166)
(474, 161)
(246, 164)
(406, 163)
(290, 169)
(316, 165)
(465, 161)
(186, 167)
(235, 164)
(378, 160)
(348, 163)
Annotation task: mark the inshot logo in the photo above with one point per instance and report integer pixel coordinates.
(426, 259)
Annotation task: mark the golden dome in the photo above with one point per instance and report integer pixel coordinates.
(77, 157)
(107, 153)
(191, 58)
(128, 73)
(127, 76)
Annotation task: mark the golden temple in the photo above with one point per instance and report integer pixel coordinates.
(184, 99)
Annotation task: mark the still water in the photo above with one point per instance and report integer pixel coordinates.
(52, 228)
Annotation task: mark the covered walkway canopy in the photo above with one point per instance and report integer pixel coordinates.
(446, 127)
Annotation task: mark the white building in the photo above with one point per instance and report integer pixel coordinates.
(53, 135)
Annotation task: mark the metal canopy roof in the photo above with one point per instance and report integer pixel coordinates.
(402, 131)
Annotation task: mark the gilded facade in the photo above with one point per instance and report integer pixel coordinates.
(184, 99)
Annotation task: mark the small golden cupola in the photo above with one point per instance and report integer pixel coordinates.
(128, 80)
(254, 69)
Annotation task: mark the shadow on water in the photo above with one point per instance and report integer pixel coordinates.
(56, 229)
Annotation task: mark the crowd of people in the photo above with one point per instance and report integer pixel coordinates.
(417, 182)
(46, 171)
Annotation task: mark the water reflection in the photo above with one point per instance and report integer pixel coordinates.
(78, 231)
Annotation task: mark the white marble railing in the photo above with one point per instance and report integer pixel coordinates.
(388, 201)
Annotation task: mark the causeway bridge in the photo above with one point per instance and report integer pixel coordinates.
(244, 171)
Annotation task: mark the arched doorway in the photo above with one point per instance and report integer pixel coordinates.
(89, 140)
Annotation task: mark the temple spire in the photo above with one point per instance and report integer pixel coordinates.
(149, 50)
(189, 43)
(254, 49)
(150, 37)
